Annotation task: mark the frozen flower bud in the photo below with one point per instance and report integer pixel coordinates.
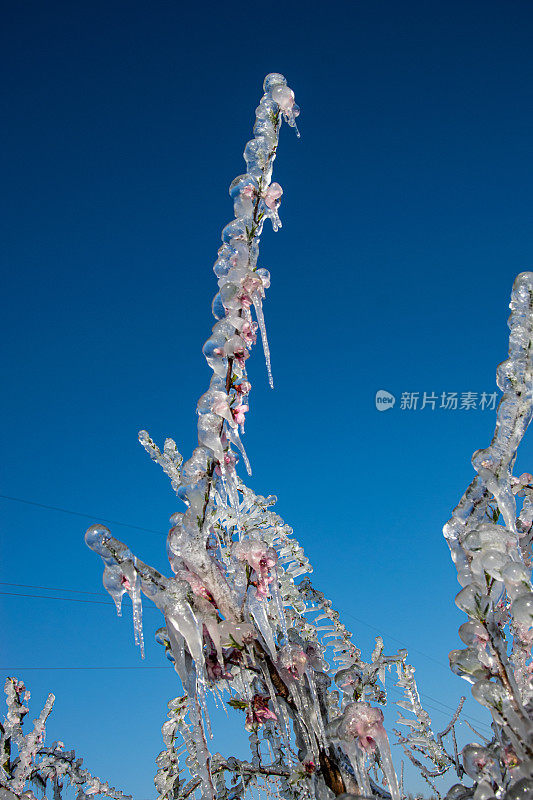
(283, 96)
(484, 791)
(516, 579)
(364, 723)
(458, 792)
(292, 661)
(522, 609)
(239, 414)
(274, 79)
(466, 664)
(477, 760)
(473, 633)
(494, 562)
(264, 274)
(116, 583)
(489, 694)
(95, 538)
(521, 790)
(473, 602)
(272, 195)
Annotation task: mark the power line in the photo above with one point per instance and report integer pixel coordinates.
(151, 530)
(48, 588)
(67, 599)
(79, 514)
(391, 689)
(104, 602)
(17, 669)
(392, 638)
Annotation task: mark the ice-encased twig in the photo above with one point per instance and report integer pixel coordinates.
(226, 626)
(493, 559)
(26, 760)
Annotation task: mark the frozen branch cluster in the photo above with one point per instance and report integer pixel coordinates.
(26, 762)
(242, 620)
(239, 618)
(490, 535)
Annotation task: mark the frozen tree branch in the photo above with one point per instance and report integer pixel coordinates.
(26, 761)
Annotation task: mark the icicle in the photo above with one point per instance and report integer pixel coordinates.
(200, 693)
(278, 603)
(258, 610)
(278, 710)
(314, 712)
(357, 760)
(184, 621)
(382, 741)
(258, 305)
(202, 752)
(113, 580)
(235, 438)
(177, 646)
(304, 719)
(137, 609)
(286, 733)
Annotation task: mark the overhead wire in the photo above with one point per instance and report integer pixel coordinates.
(108, 603)
(150, 530)
(79, 514)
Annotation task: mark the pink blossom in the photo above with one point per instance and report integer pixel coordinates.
(509, 757)
(258, 712)
(518, 484)
(292, 661)
(248, 191)
(125, 583)
(364, 723)
(214, 671)
(239, 413)
(244, 299)
(272, 196)
(244, 387)
(230, 459)
(195, 583)
(220, 406)
(252, 283)
(261, 559)
(248, 332)
(481, 638)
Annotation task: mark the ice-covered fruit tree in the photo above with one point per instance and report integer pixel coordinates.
(242, 619)
(26, 764)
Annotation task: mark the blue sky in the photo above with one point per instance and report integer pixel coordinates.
(406, 216)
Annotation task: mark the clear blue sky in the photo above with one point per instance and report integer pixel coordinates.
(406, 215)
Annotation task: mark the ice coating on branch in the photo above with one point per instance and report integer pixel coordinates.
(240, 618)
(490, 542)
(363, 724)
(27, 762)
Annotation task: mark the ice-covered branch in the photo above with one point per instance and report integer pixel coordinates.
(490, 541)
(238, 617)
(26, 760)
